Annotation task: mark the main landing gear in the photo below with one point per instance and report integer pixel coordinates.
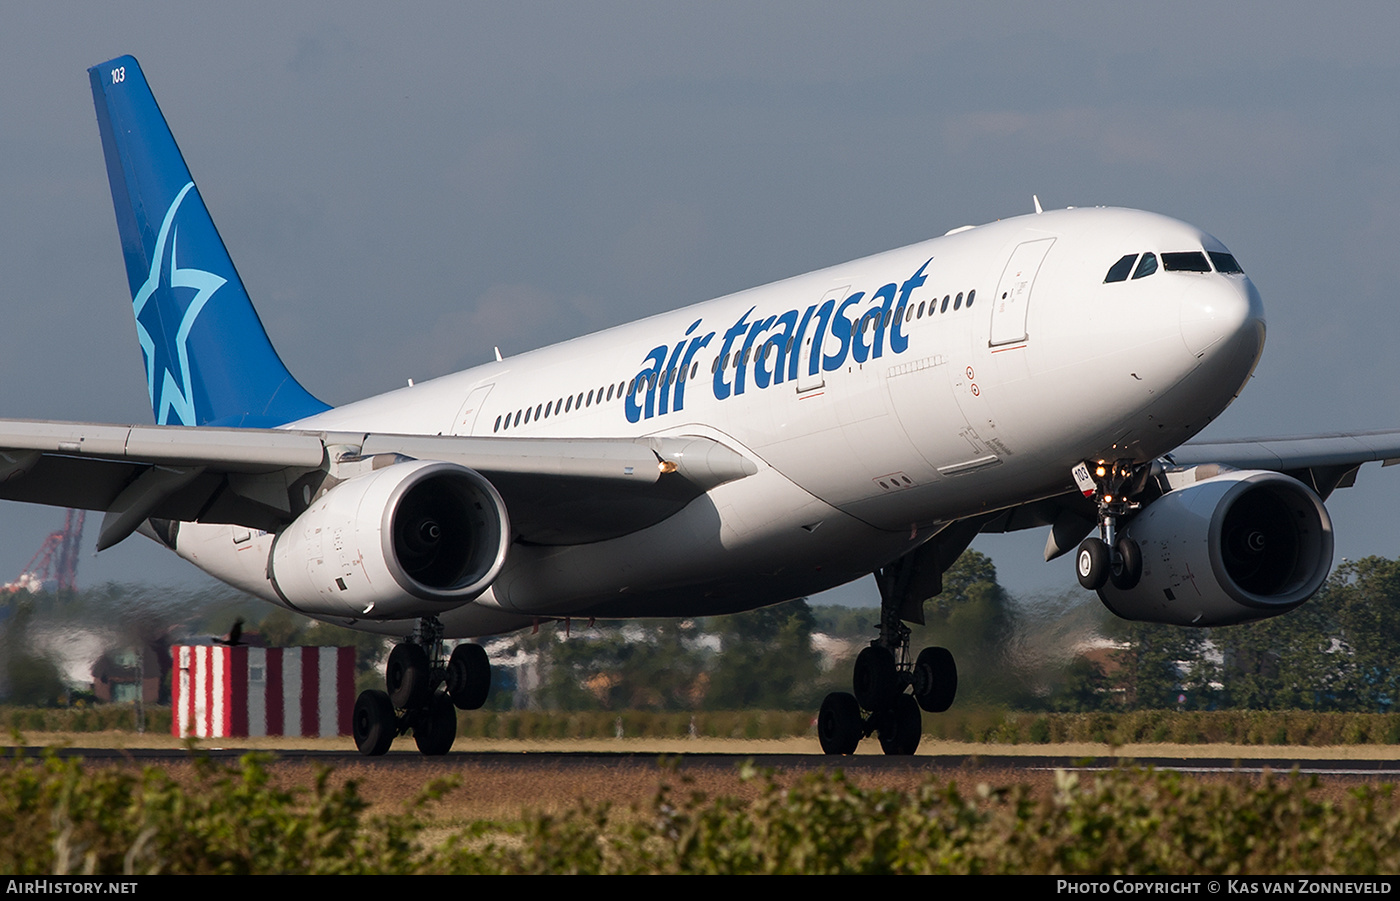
(879, 683)
(879, 704)
(1110, 557)
(413, 702)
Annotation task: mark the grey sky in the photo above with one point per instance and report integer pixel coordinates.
(404, 186)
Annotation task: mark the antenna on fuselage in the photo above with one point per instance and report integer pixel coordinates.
(1036, 201)
(498, 354)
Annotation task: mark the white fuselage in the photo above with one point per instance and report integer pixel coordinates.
(954, 377)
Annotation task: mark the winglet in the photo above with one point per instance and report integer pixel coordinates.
(208, 358)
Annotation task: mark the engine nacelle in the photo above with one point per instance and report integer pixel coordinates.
(412, 539)
(1235, 548)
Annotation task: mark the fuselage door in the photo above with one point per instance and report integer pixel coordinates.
(809, 355)
(465, 422)
(1013, 297)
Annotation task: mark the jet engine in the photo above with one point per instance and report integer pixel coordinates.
(1234, 548)
(411, 539)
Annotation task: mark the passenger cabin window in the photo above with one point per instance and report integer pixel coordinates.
(1147, 266)
(1225, 263)
(1118, 272)
(1188, 261)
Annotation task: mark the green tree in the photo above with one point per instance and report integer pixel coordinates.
(1083, 688)
(849, 623)
(641, 665)
(976, 619)
(34, 681)
(1335, 652)
(1362, 601)
(767, 660)
(1165, 666)
(31, 678)
(1280, 663)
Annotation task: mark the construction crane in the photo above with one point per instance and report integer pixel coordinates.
(56, 560)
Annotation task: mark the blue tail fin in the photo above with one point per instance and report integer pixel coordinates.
(208, 358)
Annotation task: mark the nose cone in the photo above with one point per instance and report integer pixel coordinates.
(1219, 310)
(1222, 324)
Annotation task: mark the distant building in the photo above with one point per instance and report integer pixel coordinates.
(130, 674)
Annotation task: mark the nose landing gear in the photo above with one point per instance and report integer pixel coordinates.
(1110, 557)
(413, 703)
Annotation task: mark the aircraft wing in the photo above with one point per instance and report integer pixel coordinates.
(1324, 462)
(556, 490)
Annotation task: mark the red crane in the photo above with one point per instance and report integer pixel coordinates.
(57, 559)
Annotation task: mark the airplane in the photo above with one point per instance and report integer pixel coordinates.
(1040, 371)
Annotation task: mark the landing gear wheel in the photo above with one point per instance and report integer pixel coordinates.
(901, 727)
(876, 678)
(436, 728)
(1126, 570)
(373, 723)
(1092, 563)
(408, 676)
(839, 725)
(935, 679)
(468, 676)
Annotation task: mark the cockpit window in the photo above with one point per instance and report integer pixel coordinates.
(1147, 266)
(1225, 263)
(1188, 261)
(1118, 272)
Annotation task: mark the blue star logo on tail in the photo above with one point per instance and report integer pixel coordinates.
(168, 360)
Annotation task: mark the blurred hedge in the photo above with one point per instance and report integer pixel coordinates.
(84, 718)
(62, 818)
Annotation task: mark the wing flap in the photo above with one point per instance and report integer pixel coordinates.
(600, 459)
(232, 450)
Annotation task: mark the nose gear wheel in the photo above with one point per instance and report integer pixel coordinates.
(1117, 490)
